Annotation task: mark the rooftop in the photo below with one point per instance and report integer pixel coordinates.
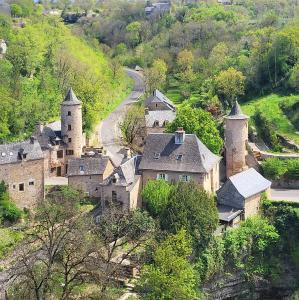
(87, 166)
(227, 213)
(16, 152)
(158, 97)
(71, 98)
(159, 115)
(161, 152)
(249, 183)
(236, 112)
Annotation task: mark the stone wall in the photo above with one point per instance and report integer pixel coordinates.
(89, 184)
(210, 182)
(25, 182)
(252, 206)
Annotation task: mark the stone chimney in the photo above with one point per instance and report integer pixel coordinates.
(39, 127)
(32, 139)
(127, 153)
(179, 136)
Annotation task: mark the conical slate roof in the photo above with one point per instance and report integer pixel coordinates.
(71, 98)
(236, 112)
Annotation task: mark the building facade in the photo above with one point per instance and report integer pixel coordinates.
(22, 169)
(179, 157)
(236, 137)
(159, 111)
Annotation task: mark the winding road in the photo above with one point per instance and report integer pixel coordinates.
(110, 135)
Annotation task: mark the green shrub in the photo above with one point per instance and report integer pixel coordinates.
(275, 168)
(8, 210)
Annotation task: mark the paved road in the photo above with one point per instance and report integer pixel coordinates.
(285, 194)
(110, 136)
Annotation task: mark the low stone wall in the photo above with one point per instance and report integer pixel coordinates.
(285, 184)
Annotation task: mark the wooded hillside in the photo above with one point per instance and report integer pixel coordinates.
(44, 58)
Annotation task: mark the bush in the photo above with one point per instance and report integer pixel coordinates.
(8, 210)
(275, 168)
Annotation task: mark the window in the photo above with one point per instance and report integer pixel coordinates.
(162, 176)
(156, 104)
(69, 113)
(31, 182)
(114, 196)
(156, 124)
(60, 154)
(21, 187)
(24, 156)
(179, 157)
(70, 140)
(185, 178)
(69, 127)
(69, 152)
(14, 186)
(156, 155)
(81, 168)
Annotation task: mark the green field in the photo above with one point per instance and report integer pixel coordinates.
(269, 105)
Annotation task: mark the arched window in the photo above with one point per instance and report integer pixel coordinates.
(156, 123)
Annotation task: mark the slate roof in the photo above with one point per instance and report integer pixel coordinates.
(249, 183)
(227, 213)
(196, 157)
(236, 112)
(157, 97)
(159, 115)
(50, 135)
(71, 98)
(10, 153)
(87, 166)
(126, 173)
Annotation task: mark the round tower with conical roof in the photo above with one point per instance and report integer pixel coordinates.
(236, 137)
(71, 124)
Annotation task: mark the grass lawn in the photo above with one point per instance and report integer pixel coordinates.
(8, 240)
(270, 106)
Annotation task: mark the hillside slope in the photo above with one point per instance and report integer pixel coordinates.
(42, 61)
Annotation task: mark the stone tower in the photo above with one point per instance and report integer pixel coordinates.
(236, 136)
(71, 124)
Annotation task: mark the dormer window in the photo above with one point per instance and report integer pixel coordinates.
(156, 124)
(179, 157)
(157, 155)
(81, 168)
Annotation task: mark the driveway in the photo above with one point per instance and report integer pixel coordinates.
(285, 194)
(110, 136)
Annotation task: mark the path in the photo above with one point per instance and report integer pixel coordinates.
(110, 136)
(285, 194)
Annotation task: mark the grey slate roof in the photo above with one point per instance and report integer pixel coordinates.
(249, 183)
(10, 153)
(228, 213)
(126, 173)
(196, 157)
(87, 166)
(157, 97)
(50, 135)
(240, 187)
(159, 115)
(71, 98)
(236, 112)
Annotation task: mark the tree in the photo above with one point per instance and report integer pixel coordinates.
(230, 84)
(132, 125)
(171, 276)
(274, 168)
(193, 209)
(185, 60)
(121, 232)
(133, 33)
(8, 210)
(250, 246)
(199, 122)
(155, 76)
(16, 10)
(156, 195)
(85, 5)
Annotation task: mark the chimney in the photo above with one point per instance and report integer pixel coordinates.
(32, 139)
(39, 127)
(127, 153)
(179, 136)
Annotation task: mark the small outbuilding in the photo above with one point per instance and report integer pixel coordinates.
(242, 192)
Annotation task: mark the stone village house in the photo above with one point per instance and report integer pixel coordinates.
(22, 169)
(159, 111)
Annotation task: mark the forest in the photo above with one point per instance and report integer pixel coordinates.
(209, 55)
(44, 58)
